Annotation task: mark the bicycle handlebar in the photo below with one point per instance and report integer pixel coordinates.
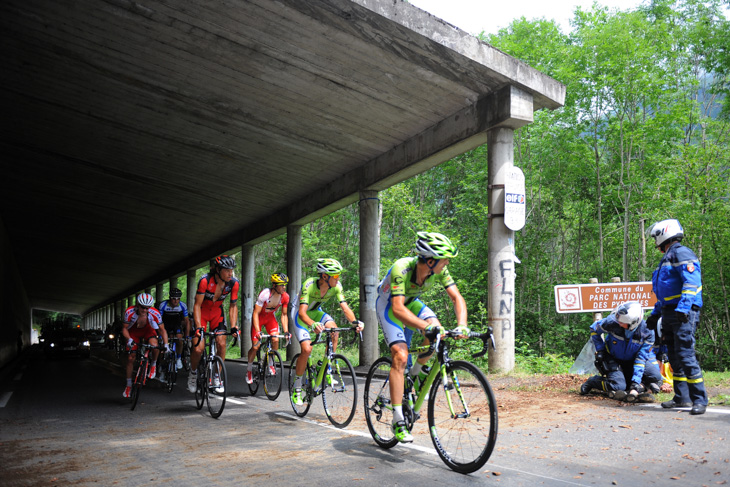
(288, 338)
(486, 338)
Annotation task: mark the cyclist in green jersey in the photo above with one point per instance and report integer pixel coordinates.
(399, 307)
(309, 316)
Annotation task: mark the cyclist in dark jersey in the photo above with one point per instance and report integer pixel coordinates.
(213, 288)
(175, 318)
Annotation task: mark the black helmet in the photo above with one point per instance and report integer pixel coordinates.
(175, 293)
(225, 262)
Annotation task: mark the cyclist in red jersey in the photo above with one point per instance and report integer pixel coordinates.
(142, 322)
(263, 317)
(213, 288)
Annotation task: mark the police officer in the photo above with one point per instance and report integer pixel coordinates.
(625, 357)
(677, 283)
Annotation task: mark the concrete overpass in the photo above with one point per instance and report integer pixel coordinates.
(142, 138)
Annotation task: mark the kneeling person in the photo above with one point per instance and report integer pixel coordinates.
(625, 357)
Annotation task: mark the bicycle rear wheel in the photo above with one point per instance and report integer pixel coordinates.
(340, 391)
(200, 384)
(138, 381)
(462, 417)
(216, 391)
(272, 382)
(300, 410)
(378, 406)
(253, 387)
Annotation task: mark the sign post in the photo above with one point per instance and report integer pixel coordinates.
(514, 199)
(599, 297)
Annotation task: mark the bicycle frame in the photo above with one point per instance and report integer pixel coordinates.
(328, 354)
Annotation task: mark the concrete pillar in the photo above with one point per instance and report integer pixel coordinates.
(172, 284)
(294, 271)
(369, 270)
(247, 296)
(190, 297)
(192, 284)
(159, 290)
(500, 150)
(507, 110)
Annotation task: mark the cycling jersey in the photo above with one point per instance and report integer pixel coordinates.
(400, 280)
(149, 330)
(312, 297)
(172, 316)
(212, 311)
(131, 317)
(271, 302)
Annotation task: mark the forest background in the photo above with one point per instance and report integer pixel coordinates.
(643, 136)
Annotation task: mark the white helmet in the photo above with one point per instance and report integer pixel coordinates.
(629, 313)
(665, 230)
(145, 299)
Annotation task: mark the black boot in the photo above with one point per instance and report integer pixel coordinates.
(594, 382)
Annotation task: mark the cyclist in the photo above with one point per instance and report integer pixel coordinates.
(399, 306)
(269, 301)
(213, 288)
(309, 314)
(175, 318)
(141, 322)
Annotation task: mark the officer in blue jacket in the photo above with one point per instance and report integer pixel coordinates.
(677, 283)
(625, 357)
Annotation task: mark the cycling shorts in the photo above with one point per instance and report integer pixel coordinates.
(301, 330)
(267, 321)
(393, 328)
(214, 317)
(139, 334)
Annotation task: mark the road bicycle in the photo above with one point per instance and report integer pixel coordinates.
(333, 378)
(266, 359)
(212, 380)
(141, 369)
(462, 410)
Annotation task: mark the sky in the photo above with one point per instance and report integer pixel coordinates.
(489, 16)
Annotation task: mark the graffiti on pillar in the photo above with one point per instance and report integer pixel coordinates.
(506, 299)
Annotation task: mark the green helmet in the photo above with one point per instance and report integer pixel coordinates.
(328, 266)
(432, 245)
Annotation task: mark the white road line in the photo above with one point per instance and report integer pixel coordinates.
(709, 410)
(235, 401)
(5, 398)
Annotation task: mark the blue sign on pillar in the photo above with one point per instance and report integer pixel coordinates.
(514, 199)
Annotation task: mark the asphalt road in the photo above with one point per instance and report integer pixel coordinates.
(65, 422)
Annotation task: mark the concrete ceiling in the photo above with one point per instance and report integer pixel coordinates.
(141, 138)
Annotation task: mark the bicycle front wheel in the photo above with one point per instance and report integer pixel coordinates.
(216, 393)
(200, 386)
(462, 417)
(171, 372)
(378, 406)
(340, 391)
(273, 380)
(253, 387)
(302, 409)
(185, 356)
(138, 381)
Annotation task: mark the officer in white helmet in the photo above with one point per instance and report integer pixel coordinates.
(677, 283)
